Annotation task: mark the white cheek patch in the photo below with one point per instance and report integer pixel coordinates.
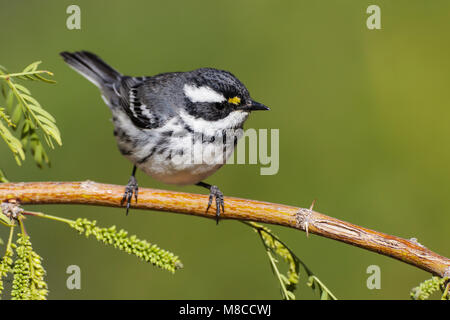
(202, 94)
(234, 119)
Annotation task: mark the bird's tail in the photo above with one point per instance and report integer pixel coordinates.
(91, 67)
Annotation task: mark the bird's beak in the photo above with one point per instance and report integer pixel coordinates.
(253, 106)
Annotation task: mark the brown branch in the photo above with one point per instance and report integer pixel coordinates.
(92, 193)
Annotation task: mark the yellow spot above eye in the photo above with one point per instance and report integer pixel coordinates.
(235, 100)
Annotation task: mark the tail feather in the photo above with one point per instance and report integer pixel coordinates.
(91, 67)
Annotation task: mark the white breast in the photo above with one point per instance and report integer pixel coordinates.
(166, 163)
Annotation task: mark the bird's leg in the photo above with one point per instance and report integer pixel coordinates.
(130, 189)
(214, 192)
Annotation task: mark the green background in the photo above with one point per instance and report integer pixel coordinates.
(364, 129)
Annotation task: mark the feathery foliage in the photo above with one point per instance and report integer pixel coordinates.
(24, 114)
(288, 283)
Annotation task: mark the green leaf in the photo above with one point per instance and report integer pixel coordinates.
(30, 99)
(29, 114)
(26, 128)
(22, 88)
(3, 87)
(42, 112)
(54, 132)
(26, 77)
(9, 100)
(17, 115)
(12, 142)
(284, 279)
(5, 220)
(37, 75)
(32, 66)
(3, 176)
(290, 295)
(38, 155)
(46, 121)
(310, 282)
(288, 283)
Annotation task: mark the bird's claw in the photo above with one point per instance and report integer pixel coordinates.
(214, 192)
(130, 189)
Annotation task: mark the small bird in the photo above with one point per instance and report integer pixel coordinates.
(169, 116)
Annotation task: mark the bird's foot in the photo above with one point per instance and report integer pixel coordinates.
(214, 192)
(130, 189)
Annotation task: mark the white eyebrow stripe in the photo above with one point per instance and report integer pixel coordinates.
(202, 94)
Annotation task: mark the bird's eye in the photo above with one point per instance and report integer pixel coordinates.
(235, 100)
(219, 105)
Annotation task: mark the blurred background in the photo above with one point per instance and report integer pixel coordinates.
(364, 129)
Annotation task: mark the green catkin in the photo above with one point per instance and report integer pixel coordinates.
(130, 244)
(6, 266)
(28, 280)
(428, 287)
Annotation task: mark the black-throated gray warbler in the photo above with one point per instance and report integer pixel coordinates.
(171, 114)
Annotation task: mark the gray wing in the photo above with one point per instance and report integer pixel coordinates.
(150, 101)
